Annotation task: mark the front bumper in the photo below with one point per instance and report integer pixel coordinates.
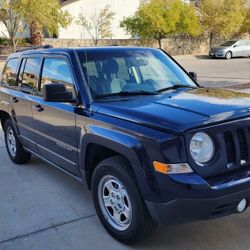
(221, 54)
(187, 210)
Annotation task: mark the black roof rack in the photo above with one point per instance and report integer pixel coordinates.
(47, 46)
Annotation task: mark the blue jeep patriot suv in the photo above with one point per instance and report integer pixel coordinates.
(151, 145)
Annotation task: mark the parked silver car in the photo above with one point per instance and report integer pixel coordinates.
(232, 48)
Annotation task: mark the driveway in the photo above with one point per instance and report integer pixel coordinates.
(42, 208)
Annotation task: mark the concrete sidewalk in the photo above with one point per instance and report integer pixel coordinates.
(42, 208)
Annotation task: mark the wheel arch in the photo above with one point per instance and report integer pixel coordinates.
(95, 148)
(230, 51)
(4, 116)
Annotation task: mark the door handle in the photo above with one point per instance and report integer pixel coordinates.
(14, 100)
(38, 108)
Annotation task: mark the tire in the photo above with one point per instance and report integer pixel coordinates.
(134, 222)
(13, 145)
(228, 55)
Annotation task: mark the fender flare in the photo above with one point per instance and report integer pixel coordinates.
(124, 144)
(114, 140)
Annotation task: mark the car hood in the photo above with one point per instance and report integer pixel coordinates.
(179, 110)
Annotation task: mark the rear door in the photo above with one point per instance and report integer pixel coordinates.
(55, 123)
(20, 91)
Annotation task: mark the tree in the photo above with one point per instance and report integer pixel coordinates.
(246, 24)
(158, 19)
(99, 24)
(12, 20)
(223, 18)
(41, 15)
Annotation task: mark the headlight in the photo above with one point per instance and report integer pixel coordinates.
(201, 147)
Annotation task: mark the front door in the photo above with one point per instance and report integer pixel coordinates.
(239, 49)
(247, 48)
(55, 123)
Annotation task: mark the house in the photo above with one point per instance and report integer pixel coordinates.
(121, 8)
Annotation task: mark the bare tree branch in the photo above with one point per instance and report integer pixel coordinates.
(99, 24)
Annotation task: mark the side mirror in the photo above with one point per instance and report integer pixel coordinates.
(194, 76)
(235, 46)
(58, 92)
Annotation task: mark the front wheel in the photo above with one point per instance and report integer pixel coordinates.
(118, 203)
(228, 55)
(14, 147)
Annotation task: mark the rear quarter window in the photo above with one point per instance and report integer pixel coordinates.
(9, 76)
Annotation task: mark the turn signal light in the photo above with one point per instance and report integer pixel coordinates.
(172, 168)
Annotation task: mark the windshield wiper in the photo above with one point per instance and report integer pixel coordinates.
(177, 86)
(126, 93)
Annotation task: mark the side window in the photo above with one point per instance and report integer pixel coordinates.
(10, 73)
(241, 43)
(56, 70)
(29, 78)
(20, 75)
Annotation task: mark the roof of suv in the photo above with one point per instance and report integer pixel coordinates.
(70, 50)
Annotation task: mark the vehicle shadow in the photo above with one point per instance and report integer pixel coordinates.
(203, 57)
(207, 57)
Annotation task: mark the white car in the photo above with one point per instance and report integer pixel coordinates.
(232, 48)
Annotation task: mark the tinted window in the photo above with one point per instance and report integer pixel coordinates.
(56, 70)
(228, 43)
(10, 73)
(30, 74)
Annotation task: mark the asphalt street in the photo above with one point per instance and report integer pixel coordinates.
(42, 208)
(218, 72)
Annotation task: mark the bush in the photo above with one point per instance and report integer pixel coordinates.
(22, 42)
(5, 41)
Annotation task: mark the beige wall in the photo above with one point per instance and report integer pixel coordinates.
(121, 8)
(175, 46)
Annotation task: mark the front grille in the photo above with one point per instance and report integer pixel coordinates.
(230, 147)
(236, 144)
(243, 144)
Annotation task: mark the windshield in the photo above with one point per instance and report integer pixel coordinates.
(121, 71)
(228, 43)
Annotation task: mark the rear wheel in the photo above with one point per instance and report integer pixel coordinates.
(228, 55)
(118, 203)
(14, 147)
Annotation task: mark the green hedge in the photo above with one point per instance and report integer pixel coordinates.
(6, 42)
